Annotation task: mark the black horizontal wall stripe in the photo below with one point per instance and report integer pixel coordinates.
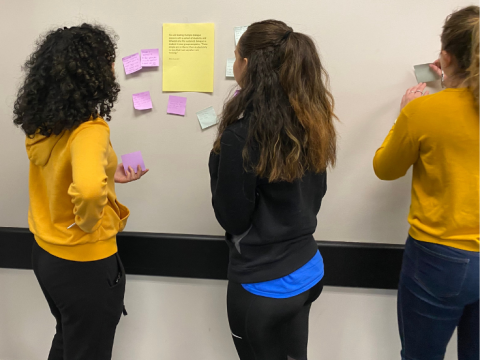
(363, 265)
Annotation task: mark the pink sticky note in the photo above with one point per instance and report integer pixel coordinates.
(142, 101)
(176, 105)
(133, 160)
(132, 63)
(150, 57)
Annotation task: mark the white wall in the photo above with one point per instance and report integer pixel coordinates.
(185, 319)
(368, 47)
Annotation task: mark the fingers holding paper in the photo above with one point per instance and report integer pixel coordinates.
(137, 175)
(123, 177)
(436, 67)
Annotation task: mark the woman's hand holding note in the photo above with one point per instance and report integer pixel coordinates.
(123, 177)
(437, 67)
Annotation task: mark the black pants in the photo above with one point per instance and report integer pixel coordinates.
(86, 299)
(269, 329)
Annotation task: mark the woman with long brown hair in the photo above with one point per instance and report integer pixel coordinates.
(438, 135)
(268, 177)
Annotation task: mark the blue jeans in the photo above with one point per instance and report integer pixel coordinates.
(438, 292)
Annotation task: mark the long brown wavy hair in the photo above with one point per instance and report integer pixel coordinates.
(460, 39)
(285, 91)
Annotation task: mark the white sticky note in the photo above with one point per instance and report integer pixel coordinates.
(207, 117)
(424, 74)
(239, 30)
(229, 70)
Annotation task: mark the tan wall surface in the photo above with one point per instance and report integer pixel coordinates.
(369, 48)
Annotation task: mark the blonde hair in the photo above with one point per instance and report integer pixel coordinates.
(473, 69)
(460, 39)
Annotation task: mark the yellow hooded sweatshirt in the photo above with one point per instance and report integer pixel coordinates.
(72, 182)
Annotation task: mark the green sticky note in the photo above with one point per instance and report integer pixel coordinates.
(425, 74)
(207, 117)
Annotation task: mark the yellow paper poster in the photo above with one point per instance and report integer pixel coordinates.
(188, 53)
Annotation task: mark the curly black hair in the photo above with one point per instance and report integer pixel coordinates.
(68, 80)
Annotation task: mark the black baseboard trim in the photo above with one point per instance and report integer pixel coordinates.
(361, 265)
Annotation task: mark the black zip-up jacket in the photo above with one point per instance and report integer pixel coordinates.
(269, 226)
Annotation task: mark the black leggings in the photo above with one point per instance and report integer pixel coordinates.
(86, 299)
(269, 329)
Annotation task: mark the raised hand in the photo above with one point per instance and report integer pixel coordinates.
(413, 93)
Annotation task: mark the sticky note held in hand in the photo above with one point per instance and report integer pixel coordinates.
(425, 74)
(133, 160)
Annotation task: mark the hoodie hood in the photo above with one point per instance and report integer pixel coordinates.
(39, 148)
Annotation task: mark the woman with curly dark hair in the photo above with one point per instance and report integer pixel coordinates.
(268, 177)
(68, 93)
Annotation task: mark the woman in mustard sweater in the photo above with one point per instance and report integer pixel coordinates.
(68, 93)
(438, 135)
